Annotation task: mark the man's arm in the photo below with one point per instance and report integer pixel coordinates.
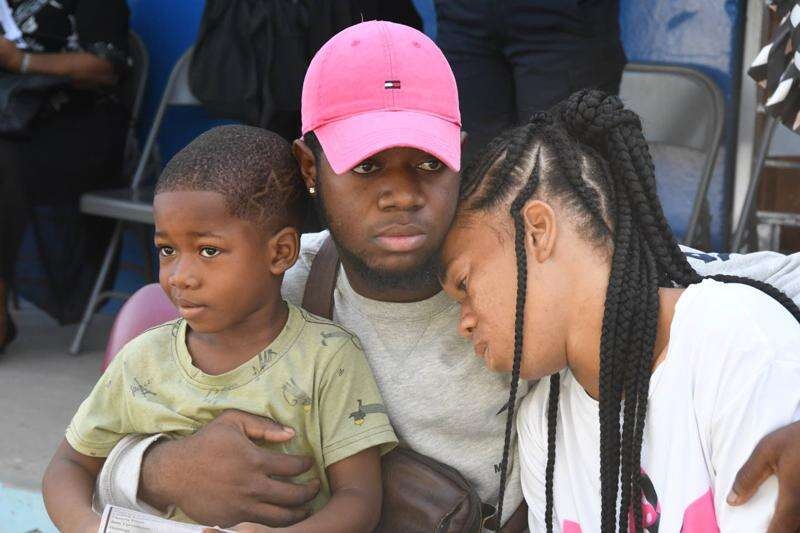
(355, 504)
(219, 475)
(67, 490)
(778, 453)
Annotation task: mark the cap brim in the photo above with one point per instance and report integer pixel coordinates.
(349, 141)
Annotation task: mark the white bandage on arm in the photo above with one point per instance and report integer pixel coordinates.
(118, 482)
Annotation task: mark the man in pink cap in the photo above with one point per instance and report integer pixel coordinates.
(380, 154)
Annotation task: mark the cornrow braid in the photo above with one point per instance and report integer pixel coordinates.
(591, 152)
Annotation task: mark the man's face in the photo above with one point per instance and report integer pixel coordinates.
(389, 215)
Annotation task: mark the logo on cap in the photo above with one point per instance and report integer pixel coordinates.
(391, 84)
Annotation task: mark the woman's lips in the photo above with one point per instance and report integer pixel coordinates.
(401, 243)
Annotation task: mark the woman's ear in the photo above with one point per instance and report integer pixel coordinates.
(308, 163)
(540, 229)
(283, 248)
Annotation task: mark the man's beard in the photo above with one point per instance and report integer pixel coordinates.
(380, 279)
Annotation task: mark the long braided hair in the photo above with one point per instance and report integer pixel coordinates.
(590, 153)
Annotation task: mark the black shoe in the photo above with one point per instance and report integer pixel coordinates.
(11, 334)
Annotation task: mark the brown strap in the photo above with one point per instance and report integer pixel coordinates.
(318, 296)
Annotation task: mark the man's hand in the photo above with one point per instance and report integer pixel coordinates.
(10, 55)
(778, 453)
(220, 476)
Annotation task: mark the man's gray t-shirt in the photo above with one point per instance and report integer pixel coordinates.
(441, 400)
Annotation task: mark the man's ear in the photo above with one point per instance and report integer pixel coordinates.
(307, 161)
(283, 248)
(540, 229)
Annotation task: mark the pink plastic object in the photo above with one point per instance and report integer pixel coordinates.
(148, 307)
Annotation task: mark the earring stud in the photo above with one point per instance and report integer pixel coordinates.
(312, 191)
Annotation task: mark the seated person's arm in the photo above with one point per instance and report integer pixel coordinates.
(355, 503)
(67, 489)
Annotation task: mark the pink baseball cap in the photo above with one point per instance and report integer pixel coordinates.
(379, 85)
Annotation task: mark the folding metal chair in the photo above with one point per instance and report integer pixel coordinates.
(134, 204)
(682, 113)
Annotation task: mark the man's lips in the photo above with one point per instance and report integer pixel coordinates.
(401, 238)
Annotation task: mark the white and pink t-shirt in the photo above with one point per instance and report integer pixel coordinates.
(731, 375)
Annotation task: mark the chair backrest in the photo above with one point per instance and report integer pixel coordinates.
(680, 108)
(147, 307)
(678, 105)
(140, 67)
(176, 93)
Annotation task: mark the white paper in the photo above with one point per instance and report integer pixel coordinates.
(121, 520)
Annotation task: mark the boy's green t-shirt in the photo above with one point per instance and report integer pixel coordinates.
(313, 377)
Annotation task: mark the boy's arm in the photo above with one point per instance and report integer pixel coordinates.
(355, 504)
(67, 488)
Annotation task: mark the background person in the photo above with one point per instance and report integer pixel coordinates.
(76, 142)
(513, 57)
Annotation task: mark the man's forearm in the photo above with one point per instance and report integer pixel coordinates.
(158, 475)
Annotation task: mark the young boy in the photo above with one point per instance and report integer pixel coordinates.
(226, 211)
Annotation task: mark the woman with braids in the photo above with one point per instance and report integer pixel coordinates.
(661, 382)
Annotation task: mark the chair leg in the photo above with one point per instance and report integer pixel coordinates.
(94, 299)
(746, 216)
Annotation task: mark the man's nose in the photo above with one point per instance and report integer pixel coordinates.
(402, 192)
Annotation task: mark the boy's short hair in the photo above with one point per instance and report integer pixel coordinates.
(252, 168)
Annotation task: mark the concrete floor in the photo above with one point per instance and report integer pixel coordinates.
(41, 386)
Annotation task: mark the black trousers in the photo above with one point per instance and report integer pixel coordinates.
(513, 57)
(77, 149)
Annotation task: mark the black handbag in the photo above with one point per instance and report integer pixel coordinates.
(22, 96)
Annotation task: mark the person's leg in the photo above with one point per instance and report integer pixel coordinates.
(77, 150)
(12, 225)
(484, 78)
(555, 52)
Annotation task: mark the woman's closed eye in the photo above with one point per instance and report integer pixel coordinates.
(209, 252)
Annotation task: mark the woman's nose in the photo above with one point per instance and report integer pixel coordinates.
(467, 322)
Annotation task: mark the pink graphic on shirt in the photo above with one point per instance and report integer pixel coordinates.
(700, 516)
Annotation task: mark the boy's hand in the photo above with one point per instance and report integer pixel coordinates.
(220, 476)
(778, 453)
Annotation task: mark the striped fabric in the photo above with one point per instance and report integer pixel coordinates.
(777, 66)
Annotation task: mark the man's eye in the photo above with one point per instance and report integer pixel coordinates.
(432, 165)
(367, 167)
(462, 285)
(166, 251)
(209, 251)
